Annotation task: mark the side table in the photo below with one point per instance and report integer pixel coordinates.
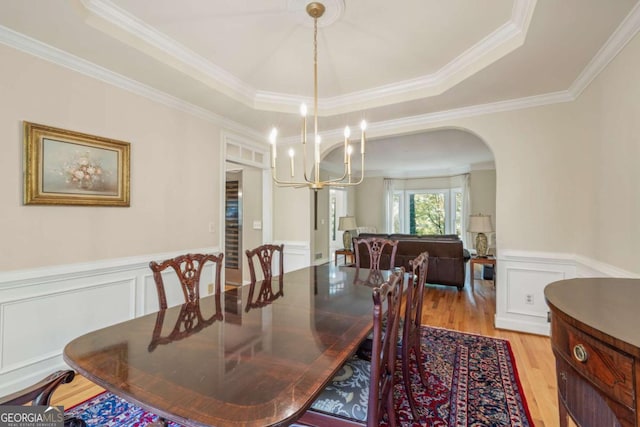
(488, 260)
(347, 255)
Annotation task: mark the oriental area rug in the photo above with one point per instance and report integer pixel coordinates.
(472, 379)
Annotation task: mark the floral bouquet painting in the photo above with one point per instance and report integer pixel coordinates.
(77, 168)
(64, 167)
(85, 172)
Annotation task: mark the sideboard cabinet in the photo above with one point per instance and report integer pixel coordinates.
(595, 337)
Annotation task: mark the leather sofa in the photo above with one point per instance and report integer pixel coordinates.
(447, 257)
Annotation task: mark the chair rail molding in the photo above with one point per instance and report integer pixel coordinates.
(42, 309)
(522, 277)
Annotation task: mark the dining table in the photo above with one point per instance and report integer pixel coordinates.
(226, 360)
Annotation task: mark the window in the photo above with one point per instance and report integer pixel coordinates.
(427, 211)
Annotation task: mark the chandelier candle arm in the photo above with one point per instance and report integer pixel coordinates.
(292, 153)
(347, 134)
(316, 10)
(272, 139)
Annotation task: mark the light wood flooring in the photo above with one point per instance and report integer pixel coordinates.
(445, 306)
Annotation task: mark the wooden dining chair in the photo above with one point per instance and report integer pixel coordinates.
(375, 247)
(40, 394)
(411, 326)
(188, 269)
(265, 255)
(365, 396)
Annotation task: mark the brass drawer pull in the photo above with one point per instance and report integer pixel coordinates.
(580, 353)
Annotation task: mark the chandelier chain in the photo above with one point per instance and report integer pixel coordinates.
(315, 76)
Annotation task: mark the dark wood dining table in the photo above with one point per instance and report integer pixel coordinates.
(227, 361)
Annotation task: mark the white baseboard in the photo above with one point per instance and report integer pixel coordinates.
(42, 309)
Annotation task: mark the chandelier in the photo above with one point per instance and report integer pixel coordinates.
(312, 179)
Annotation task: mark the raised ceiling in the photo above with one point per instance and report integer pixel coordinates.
(397, 64)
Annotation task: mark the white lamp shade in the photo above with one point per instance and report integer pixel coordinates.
(480, 224)
(347, 223)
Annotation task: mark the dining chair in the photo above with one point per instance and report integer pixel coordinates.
(411, 326)
(362, 392)
(375, 247)
(39, 394)
(188, 269)
(265, 254)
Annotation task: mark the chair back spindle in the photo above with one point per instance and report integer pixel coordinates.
(375, 247)
(411, 326)
(265, 255)
(383, 354)
(188, 269)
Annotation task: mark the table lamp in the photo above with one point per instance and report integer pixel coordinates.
(346, 224)
(480, 224)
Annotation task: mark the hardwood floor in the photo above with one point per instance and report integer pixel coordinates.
(446, 307)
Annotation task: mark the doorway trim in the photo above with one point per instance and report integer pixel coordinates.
(245, 151)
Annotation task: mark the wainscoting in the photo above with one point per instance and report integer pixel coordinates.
(43, 309)
(522, 277)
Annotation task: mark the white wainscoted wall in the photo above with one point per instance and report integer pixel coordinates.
(297, 254)
(42, 309)
(521, 279)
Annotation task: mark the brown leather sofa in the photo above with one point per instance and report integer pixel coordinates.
(447, 257)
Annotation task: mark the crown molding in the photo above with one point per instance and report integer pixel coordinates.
(420, 122)
(117, 22)
(109, 18)
(627, 29)
(59, 57)
(500, 42)
(522, 10)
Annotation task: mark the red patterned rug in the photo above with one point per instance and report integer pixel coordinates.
(472, 379)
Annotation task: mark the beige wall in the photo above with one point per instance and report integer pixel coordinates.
(368, 203)
(482, 185)
(174, 170)
(566, 174)
(537, 172)
(609, 113)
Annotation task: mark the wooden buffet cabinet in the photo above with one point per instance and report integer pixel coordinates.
(595, 337)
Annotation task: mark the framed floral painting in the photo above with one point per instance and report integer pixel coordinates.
(63, 167)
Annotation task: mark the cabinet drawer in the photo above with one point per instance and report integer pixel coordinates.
(609, 369)
(584, 402)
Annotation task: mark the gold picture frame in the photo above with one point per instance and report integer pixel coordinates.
(62, 167)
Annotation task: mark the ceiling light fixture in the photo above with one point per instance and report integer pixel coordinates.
(316, 10)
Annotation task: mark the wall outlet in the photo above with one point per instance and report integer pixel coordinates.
(210, 288)
(528, 298)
